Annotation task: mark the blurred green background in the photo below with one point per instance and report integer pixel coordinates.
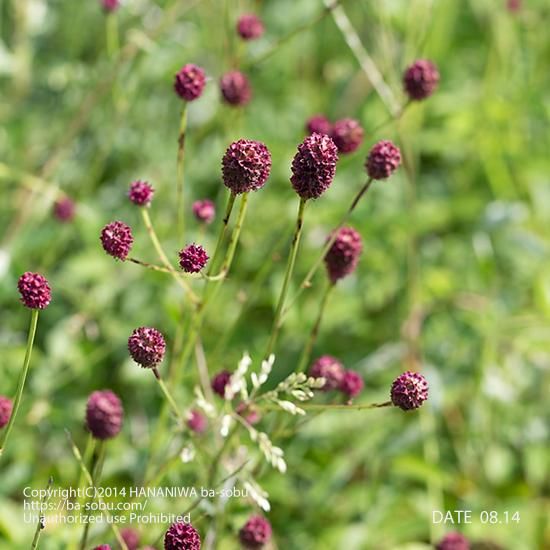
(455, 274)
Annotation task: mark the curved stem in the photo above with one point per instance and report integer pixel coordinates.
(148, 265)
(288, 276)
(111, 29)
(221, 235)
(41, 525)
(318, 407)
(22, 379)
(168, 395)
(181, 173)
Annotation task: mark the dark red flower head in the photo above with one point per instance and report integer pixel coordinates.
(189, 82)
(420, 79)
(204, 211)
(103, 547)
(110, 5)
(235, 88)
(220, 381)
(141, 193)
(35, 290)
(318, 124)
(130, 537)
(409, 391)
(384, 158)
(513, 5)
(329, 368)
(255, 532)
(250, 26)
(196, 421)
(347, 135)
(117, 239)
(64, 209)
(314, 166)
(147, 346)
(249, 412)
(182, 536)
(453, 541)
(6, 407)
(193, 258)
(352, 383)
(246, 166)
(104, 414)
(343, 256)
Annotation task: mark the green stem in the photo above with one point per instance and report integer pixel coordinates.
(221, 235)
(40, 526)
(111, 30)
(288, 276)
(168, 395)
(181, 173)
(22, 379)
(306, 354)
(148, 265)
(318, 407)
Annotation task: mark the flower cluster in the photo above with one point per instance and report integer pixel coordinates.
(141, 193)
(182, 536)
(35, 290)
(334, 376)
(147, 346)
(117, 239)
(235, 88)
(189, 82)
(250, 26)
(6, 407)
(104, 414)
(193, 258)
(343, 255)
(409, 391)
(246, 165)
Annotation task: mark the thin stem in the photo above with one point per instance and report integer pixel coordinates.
(338, 407)
(221, 235)
(392, 118)
(111, 29)
(288, 276)
(306, 283)
(181, 173)
(148, 265)
(306, 354)
(21, 382)
(40, 526)
(168, 396)
(163, 258)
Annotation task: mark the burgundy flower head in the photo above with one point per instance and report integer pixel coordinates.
(249, 412)
(104, 414)
(453, 541)
(235, 88)
(103, 547)
(220, 381)
(117, 239)
(110, 5)
(130, 537)
(343, 256)
(204, 211)
(314, 166)
(193, 258)
(147, 346)
(318, 124)
(250, 26)
(196, 421)
(420, 79)
(329, 368)
(35, 290)
(141, 193)
(64, 209)
(409, 391)
(513, 5)
(352, 383)
(246, 165)
(182, 536)
(189, 82)
(384, 158)
(255, 532)
(347, 135)
(6, 407)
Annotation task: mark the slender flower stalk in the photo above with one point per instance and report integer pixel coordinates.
(22, 380)
(288, 276)
(111, 31)
(168, 395)
(148, 265)
(181, 172)
(337, 407)
(306, 354)
(40, 524)
(221, 235)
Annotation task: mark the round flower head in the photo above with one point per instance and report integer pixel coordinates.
(189, 82)
(220, 381)
(235, 88)
(329, 368)
(182, 536)
(204, 211)
(6, 407)
(352, 383)
(130, 537)
(117, 239)
(249, 412)
(147, 346)
(453, 541)
(193, 258)
(250, 27)
(318, 124)
(110, 5)
(103, 547)
(255, 532)
(104, 414)
(343, 255)
(420, 79)
(141, 193)
(513, 5)
(35, 290)
(64, 209)
(383, 160)
(246, 165)
(314, 166)
(347, 135)
(196, 421)
(409, 391)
